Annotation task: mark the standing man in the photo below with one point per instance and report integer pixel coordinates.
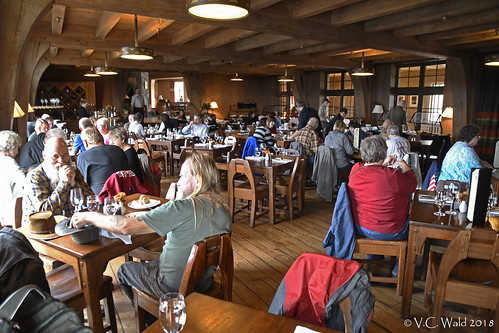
(398, 115)
(324, 112)
(197, 212)
(48, 185)
(99, 161)
(82, 111)
(138, 102)
(397, 145)
(306, 114)
(196, 127)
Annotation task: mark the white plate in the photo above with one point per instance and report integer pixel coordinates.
(136, 214)
(135, 204)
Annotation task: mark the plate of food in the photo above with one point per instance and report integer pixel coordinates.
(143, 202)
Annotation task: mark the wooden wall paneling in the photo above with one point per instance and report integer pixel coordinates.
(456, 94)
(361, 95)
(311, 87)
(18, 18)
(193, 86)
(380, 93)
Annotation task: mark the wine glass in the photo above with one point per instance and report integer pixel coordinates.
(110, 206)
(440, 202)
(76, 198)
(257, 152)
(172, 314)
(453, 194)
(492, 203)
(93, 203)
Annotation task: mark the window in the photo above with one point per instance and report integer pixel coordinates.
(339, 91)
(421, 86)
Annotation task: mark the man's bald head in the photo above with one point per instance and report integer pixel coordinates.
(385, 125)
(313, 122)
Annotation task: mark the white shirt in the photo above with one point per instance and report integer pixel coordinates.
(398, 146)
(197, 130)
(12, 181)
(137, 101)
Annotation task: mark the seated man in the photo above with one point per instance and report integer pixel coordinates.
(340, 116)
(198, 212)
(31, 153)
(384, 128)
(78, 143)
(48, 186)
(99, 161)
(397, 145)
(308, 138)
(196, 127)
(380, 195)
(41, 126)
(351, 130)
(104, 128)
(136, 126)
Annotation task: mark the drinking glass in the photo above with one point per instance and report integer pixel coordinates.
(257, 152)
(76, 198)
(492, 203)
(453, 193)
(440, 202)
(93, 203)
(172, 314)
(110, 206)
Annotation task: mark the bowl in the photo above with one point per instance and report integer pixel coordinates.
(86, 235)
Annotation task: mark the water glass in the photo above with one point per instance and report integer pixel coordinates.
(110, 206)
(440, 202)
(76, 198)
(492, 203)
(172, 314)
(93, 203)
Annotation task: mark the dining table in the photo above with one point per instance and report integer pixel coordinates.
(214, 151)
(90, 260)
(212, 315)
(424, 225)
(169, 145)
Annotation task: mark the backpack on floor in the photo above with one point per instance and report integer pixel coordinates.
(29, 309)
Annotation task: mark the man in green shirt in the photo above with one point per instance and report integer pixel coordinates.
(196, 214)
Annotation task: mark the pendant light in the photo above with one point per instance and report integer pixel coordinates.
(362, 71)
(285, 77)
(237, 78)
(492, 60)
(106, 70)
(91, 73)
(136, 52)
(218, 9)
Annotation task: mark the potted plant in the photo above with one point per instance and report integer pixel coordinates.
(206, 107)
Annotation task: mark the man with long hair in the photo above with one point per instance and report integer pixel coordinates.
(197, 213)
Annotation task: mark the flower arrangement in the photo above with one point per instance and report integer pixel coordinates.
(266, 151)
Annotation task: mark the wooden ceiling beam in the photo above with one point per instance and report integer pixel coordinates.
(289, 45)
(170, 59)
(261, 4)
(191, 32)
(457, 32)
(426, 13)
(54, 51)
(473, 38)
(106, 23)
(259, 41)
(85, 53)
(307, 8)
(153, 27)
(366, 10)
(58, 13)
(226, 36)
(315, 49)
(262, 21)
(449, 23)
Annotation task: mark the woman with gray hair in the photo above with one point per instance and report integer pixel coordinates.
(12, 178)
(379, 194)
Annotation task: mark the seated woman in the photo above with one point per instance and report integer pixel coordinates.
(380, 195)
(342, 147)
(118, 137)
(262, 133)
(462, 157)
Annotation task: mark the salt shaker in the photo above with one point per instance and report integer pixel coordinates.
(463, 207)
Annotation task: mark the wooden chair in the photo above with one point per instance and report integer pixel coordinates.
(467, 273)
(248, 190)
(287, 185)
(160, 157)
(148, 252)
(391, 248)
(185, 153)
(211, 251)
(64, 286)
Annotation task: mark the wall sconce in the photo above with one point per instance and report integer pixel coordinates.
(18, 112)
(30, 109)
(448, 112)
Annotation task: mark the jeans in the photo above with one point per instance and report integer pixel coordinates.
(346, 168)
(400, 235)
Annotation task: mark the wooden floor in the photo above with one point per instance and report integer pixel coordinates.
(262, 256)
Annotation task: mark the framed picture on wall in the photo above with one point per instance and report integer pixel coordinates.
(413, 100)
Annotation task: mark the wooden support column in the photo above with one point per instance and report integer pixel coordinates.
(361, 93)
(456, 92)
(193, 85)
(18, 18)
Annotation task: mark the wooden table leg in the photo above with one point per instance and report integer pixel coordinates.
(409, 273)
(271, 178)
(91, 280)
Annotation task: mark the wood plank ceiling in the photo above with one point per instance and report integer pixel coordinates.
(302, 34)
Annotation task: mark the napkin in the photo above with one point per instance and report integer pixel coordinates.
(302, 329)
(127, 239)
(255, 158)
(280, 160)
